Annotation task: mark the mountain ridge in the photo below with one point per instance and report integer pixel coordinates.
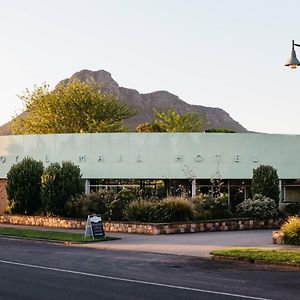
(145, 103)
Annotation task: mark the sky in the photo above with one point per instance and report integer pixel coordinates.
(227, 54)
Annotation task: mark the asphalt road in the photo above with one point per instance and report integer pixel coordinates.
(33, 270)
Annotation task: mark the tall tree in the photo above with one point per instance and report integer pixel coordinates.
(76, 107)
(171, 121)
(265, 182)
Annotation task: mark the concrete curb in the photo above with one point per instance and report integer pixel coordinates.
(13, 237)
(278, 265)
(65, 243)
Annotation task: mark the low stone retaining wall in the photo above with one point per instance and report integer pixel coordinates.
(277, 237)
(42, 221)
(146, 228)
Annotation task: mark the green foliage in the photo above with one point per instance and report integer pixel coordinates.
(293, 208)
(174, 209)
(108, 204)
(24, 186)
(74, 206)
(51, 235)
(141, 211)
(256, 254)
(118, 205)
(219, 130)
(170, 209)
(153, 126)
(259, 207)
(59, 184)
(171, 121)
(76, 107)
(291, 231)
(208, 208)
(265, 182)
(93, 203)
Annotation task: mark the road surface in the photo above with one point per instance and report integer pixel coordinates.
(34, 270)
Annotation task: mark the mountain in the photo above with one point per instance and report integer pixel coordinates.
(145, 103)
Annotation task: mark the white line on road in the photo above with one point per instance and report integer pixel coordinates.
(131, 280)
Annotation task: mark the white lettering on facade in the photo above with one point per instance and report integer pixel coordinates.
(198, 158)
(81, 158)
(255, 158)
(179, 158)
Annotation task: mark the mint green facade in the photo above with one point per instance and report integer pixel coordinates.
(158, 155)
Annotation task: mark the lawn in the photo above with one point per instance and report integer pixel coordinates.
(255, 254)
(51, 235)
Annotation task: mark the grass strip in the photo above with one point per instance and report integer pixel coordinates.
(255, 254)
(52, 235)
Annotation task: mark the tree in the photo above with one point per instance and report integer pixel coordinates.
(171, 121)
(24, 186)
(59, 184)
(76, 107)
(153, 126)
(219, 130)
(265, 182)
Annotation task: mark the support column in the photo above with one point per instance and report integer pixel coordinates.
(228, 193)
(193, 187)
(87, 186)
(280, 191)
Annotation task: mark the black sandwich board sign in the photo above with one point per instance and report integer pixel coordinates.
(94, 226)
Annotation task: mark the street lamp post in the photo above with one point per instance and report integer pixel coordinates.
(293, 61)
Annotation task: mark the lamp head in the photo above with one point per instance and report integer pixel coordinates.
(293, 61)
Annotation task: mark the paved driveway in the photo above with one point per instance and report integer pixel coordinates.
(191, 244)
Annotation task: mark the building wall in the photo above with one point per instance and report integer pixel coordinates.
(158, 155)
(3, 195)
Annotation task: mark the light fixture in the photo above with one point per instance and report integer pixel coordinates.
(293, 61)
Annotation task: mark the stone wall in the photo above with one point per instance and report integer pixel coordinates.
(277, 237)
(146, 228)
(3, 195)
(42, 221)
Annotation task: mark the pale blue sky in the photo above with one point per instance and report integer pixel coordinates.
(228, 54)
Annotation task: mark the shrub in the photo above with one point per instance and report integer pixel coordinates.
(93, 203)
(291, 231)
(59, 184)
(141, 211)
(174, 209)
(75, 205)
(118, 204)
(293, 208)
(24, 186)
(259, 207)
(207, 207)
(265, 182)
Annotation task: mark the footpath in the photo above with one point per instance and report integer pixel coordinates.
(189, 244)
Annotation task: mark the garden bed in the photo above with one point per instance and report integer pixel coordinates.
(147, 228)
